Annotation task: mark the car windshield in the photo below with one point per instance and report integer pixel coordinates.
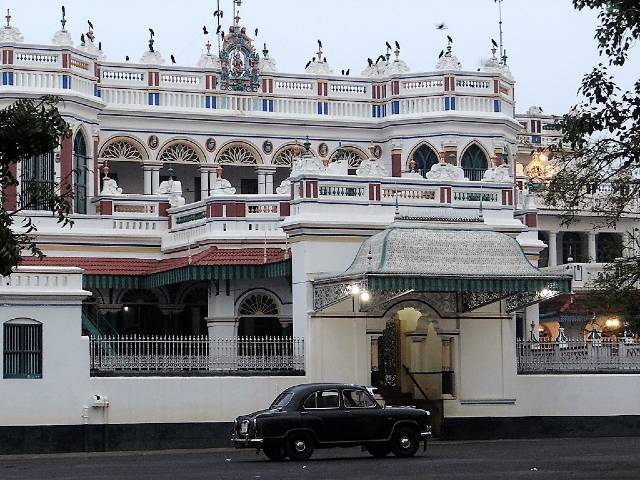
(282, 400)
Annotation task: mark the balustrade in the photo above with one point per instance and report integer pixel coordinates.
(564, 356)
(175, 354)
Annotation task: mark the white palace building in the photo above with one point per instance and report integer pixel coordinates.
(238, 230)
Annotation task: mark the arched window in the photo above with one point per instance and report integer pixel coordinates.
(353, 157)
(80, 166)
(237, 154)
(425, 158)
(286, 155)
(179, 153)
(258, 316)
(22, 349)
(37, 182)
(474, 163)
(122, 150)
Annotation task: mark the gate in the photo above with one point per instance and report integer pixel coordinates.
(389, 360)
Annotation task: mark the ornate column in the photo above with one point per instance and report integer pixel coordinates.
(265, 178)
(553, 249)
(593, 253)
(205, 179)
(151, 177)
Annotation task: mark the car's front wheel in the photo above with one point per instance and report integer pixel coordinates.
(275, 453)
(379, 450)
(405, 442)
(299, 446)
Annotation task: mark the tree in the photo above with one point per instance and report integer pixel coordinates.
(28, 128)
(598, 158)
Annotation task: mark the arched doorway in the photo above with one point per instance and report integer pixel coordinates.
(424, 157)
(185, 158)
(474, 162)
(80, 167)
(259, 316)
(125, 157)
(238, 161)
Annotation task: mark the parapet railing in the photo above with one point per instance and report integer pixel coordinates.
(175, 354)
(574, 356)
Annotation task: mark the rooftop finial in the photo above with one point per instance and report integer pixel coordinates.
(208, 47)
(319, 52)
(64, 17)
(504, 56)
(236, 13)
(265, 51)
(8, 17)
(307, 144)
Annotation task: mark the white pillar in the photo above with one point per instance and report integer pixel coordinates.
(261, 183)
(155, 180)
(265, 178)
(592, 247)
(204, 181)
(269, 183)
(553, 249)
(147, 180)
(532, 321)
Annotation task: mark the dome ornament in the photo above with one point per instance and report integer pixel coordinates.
(9, 33)
(63, 37)
(447, 60)
(318, 64)
(151, 56)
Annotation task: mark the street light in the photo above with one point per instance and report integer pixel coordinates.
(365, 296)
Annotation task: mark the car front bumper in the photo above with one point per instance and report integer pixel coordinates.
(243, 442)
(426, 433)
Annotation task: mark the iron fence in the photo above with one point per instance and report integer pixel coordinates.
(599, 355)
(168, 354)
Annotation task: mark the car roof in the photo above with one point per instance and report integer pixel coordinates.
(311, 387)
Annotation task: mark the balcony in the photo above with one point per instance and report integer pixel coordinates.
(195, 356)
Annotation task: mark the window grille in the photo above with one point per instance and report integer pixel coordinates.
(37, 182)
(22, 350)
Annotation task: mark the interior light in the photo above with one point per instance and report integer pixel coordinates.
(125, 308)
(545, 292)
(365, 296)
(543, 157)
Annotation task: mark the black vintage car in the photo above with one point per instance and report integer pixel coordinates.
(322, 415)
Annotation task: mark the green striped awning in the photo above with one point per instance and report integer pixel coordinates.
(191, 272)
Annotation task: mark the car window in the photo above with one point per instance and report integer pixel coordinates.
(322, 399)
(282, 400)
(357, 399)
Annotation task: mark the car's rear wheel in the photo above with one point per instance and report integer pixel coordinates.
(275, 453)
(299, 446)
(379, 450)
(405, 442)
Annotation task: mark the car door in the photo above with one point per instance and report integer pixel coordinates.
(364, 419)
(324, 408)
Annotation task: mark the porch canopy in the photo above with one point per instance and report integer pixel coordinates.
(484, 266)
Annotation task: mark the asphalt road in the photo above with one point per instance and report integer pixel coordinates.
(593, 458)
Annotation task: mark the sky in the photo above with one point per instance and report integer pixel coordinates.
(550, 45)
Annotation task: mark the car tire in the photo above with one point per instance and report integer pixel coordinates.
(299, 446)
(379, 450)
(275, 453)
(405, 442)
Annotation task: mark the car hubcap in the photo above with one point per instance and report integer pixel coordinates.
(405, 442)
(300, 446)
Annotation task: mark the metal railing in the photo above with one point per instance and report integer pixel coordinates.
(135, 353)
(563, 356)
